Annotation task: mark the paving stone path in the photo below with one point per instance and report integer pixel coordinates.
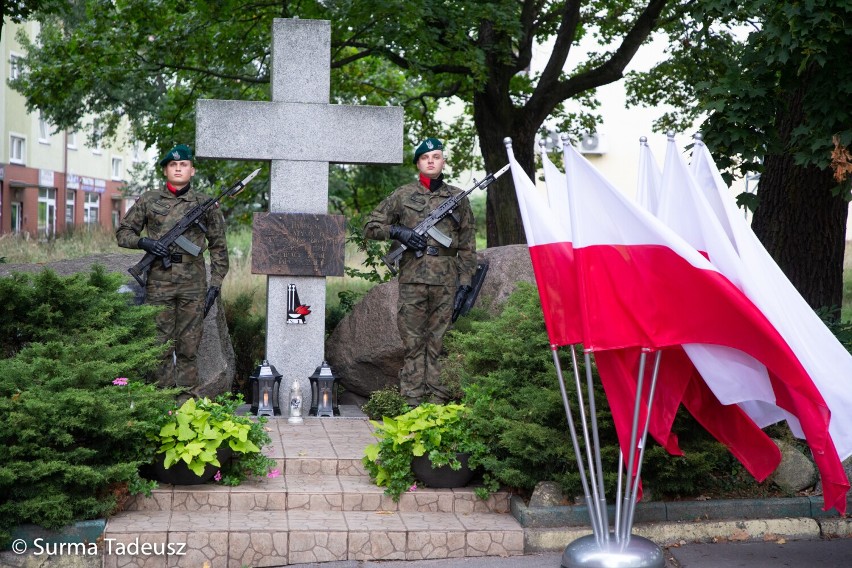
(322, 508)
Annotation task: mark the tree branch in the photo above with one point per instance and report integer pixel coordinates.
(550, 93)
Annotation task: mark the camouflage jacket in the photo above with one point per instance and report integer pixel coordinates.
(160, 210)
(410, 204)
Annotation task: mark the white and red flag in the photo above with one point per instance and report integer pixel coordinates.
(827, 362)
(552, 256)
(617, 369)
(650, 179)
(640, 284)
(547, 225)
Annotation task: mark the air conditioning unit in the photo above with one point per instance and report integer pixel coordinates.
(593, 143)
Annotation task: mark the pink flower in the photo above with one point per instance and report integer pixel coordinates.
(412, 488)
(120, 381)
(273, 473)
(218, 476)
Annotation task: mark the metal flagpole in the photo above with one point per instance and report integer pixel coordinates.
(598, 528)
(632, 506)
(628, 484)
(598, 550)
(595, 505)
(593, 418)
(595, 500)
(627, 551)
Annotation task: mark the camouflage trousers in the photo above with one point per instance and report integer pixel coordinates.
(181, 323)
(423, 317)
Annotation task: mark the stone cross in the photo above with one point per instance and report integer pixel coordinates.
(300, 133)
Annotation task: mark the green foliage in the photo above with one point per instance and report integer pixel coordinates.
(385, 402)
(791, 46)
(505, 367)
(346, 301)
(384, 52)
(248, 333)
(842, 330)
(435, 430)
(73, 427)
(194, 431)
(373, 250)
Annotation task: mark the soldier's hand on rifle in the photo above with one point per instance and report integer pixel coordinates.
(153, 246)
(408, 237)
(212, 294)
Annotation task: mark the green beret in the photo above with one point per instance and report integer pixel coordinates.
(179, 152)
(427, 146)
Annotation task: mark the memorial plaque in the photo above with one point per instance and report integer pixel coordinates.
(297, 244)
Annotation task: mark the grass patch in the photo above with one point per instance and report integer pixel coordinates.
(77, 243)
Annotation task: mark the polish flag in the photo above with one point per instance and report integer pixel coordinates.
(552, 256)
(825, 359)
(617, 369)
(650, 179)
(735, 377)
(640, 284)
(681, 382)
(677, 380)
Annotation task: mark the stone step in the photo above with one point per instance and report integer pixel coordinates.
(316, 493)
(234, 539)
(323, 507)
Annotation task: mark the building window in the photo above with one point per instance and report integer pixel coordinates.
(136, 151)
(72, 141)
(17, 149)
(69, 207)
(43, 130)
(16, 66)
(115, 219)
(116, 169)
(47, 211)
(91, 204)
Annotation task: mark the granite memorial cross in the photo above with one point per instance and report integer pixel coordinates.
(301, 133)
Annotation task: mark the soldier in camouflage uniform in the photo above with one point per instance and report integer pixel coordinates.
(181, 289)
(429, 286)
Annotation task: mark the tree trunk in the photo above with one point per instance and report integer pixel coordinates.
(799, 221)
(503, 218)
(803, 226)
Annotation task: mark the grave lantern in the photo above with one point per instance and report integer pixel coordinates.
(324, 392)
(265, 384)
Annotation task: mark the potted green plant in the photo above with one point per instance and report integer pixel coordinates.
(203, 439)
(436, 436)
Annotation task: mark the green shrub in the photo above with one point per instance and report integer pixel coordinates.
(195, 430)
(73, 435)
(385, 402)
(439, 431)
(504, 366)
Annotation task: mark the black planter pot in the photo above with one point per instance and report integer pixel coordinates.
(180, 474)
(444, 476)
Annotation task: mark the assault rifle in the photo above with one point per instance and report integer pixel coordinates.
(175, 235)
(427, 225)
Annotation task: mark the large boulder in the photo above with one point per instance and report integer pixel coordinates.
(365, 349)
(216, 362)
(796, 471)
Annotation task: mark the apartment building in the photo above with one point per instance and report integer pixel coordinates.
(53, 181)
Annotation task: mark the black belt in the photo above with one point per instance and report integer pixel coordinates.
(437, 251)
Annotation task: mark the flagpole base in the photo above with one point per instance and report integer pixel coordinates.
(638, 553)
